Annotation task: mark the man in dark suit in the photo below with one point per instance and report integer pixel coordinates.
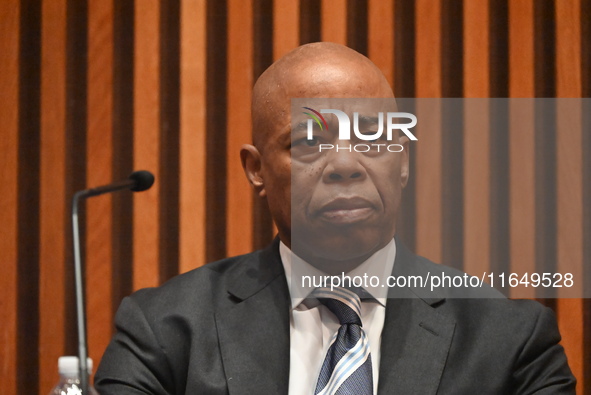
(246, 325)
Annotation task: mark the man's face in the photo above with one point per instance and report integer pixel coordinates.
(331, 208)
(344, 202)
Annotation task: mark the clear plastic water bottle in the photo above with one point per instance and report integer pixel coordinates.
(70, 379)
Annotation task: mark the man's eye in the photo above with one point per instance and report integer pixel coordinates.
(314, 141)
(311, 143)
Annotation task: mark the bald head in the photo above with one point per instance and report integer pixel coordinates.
(299, 185)
(312, 71)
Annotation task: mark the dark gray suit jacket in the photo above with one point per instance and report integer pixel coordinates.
(224, 329)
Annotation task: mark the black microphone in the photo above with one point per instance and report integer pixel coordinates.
(138, 181)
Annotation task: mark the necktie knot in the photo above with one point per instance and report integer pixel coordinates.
(343, 303)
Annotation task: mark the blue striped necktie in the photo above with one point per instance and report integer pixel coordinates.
(347, 366)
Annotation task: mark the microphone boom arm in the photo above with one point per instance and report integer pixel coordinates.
(80, 294)
(137, 181)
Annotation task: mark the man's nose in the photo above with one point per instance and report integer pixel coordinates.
(343, 166)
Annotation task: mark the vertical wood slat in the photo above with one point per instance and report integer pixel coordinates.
(356, 25)
(123, 87)
(499, 136)
(476, 48)
(146, 148)
(568, 49)
(404, 86)
(522, 190)
(76, 122)
(53, 200)
(452, 155)
(28, 194)
(428, 152)
(405, 48)
(586, 93)
(569, 143)
(192, 135)
(381, 36)
(522, 137)
(570, 228)
(169, 135)
(240, 81)
(216, 166)
(476, 138)
(521, 48)
(334, 21)
(286, 33)
(263, 228)
(9, 112)
(286, 26)
(99, 156)
(545, 153)
(310, 21)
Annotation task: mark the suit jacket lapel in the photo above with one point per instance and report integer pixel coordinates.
(253, 328)
(416, 338)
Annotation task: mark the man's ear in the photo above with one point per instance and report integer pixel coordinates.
(251, 163)
(404, 160)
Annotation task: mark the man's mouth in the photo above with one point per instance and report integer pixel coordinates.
(346, 210)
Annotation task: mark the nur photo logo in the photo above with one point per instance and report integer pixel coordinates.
(386, 123)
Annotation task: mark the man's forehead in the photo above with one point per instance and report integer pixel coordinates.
(311, 70)
(319, 70)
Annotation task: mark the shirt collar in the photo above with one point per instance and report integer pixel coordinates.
(380, 265)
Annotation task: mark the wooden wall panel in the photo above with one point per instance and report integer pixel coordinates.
(381, 36)
(28, 164)
(54, 204)
(193, 131)
(286, 35)
(264, 31)
(570, 227)
(99, 156)
(240, 82)
(310, 21)
(476, 48)
(521, 188)
(522, 135)
(569, 143)
(334, 21)
(586, 175)
(123, 116)
(286, 27)
(452, 131)
(477, 191)
(9, 111)
(428, 154)
(95, 89)
(405, 85)
(521, 48)
(477, 132)
(146, 144)
(169, 138)
(217, 109)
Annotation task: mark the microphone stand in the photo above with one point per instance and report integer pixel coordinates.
(80, 295)
(132, 183)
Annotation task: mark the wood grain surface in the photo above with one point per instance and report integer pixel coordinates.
(94, 89)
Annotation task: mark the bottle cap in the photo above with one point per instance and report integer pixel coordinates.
(68, 366)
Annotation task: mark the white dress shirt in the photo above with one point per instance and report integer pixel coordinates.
(312, 325)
